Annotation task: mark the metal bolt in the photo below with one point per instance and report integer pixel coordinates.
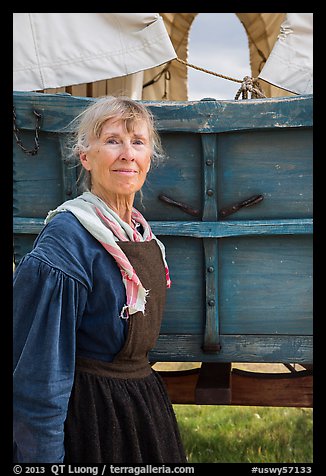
(210, 269)
(209, 162)
(210, 192)
(211, 302)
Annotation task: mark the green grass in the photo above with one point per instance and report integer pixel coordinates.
(234, 434)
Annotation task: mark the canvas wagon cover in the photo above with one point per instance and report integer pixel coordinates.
(54, 49)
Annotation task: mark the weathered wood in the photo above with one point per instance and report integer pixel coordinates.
(277, 390)
(214, 384)
(256, 276)
(211, 342)
(222, 229)
(210, 205)
(207, 229)
(181, 385)
(246, 388)
(201, 115)
(234, 348)
(273, 161)
(241, 286)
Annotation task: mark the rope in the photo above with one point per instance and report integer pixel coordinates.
(252, 85)
(247, 83)
(207, 71)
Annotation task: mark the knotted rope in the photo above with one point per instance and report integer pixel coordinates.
(247, 83)
(252, 85)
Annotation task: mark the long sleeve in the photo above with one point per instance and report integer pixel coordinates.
(48, 305)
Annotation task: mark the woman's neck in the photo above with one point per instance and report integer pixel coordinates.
(121, 205)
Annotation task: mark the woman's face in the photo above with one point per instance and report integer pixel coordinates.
(118, 160)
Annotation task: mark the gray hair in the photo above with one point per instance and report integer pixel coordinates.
(89, 123)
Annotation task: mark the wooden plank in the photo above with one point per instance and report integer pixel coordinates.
(246, 388)
(214, 384)
(31, 201)
(276, 164)
(210, 209)
(98, 88)
(212, 323)
(182, 116)
(266, 285)
(221, 229)
(55, 90)
(77, 89)
(178, 176)
(26, 226)
(235, 228)
(234, 115)
(276, 390)
(234, 348)
(181, 385)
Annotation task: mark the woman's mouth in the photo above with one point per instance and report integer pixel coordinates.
(126, 171)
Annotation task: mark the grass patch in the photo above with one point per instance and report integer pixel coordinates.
(236, 434)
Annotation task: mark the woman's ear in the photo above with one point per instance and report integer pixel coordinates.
(84, 161)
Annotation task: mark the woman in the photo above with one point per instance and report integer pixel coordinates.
(88, 303)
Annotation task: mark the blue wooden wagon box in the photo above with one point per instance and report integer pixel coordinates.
(233, 205)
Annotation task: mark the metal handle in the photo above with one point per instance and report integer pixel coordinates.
(186, 208)
(249, 202)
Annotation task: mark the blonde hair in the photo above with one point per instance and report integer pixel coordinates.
(88, 125)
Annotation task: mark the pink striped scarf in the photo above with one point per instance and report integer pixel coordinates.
(108, 228)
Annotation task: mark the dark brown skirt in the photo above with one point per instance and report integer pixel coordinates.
(117, 420)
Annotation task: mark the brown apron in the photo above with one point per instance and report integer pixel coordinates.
(119, 411)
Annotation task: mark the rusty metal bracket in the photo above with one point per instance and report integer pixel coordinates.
(184, 207)
(249, 202)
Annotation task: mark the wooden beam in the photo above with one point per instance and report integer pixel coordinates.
(275, 390)
(247, 388)
(214, 384)
(181, 385)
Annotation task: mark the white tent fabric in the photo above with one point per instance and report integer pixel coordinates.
(51, 50)
(290, 63)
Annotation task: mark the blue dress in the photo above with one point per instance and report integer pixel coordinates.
(73, 352)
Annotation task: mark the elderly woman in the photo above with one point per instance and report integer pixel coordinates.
(88, 304)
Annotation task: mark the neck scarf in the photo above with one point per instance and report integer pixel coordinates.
(108, 228)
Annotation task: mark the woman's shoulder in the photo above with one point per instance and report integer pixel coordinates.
(62, 220)
(65, 226)
(66, 245)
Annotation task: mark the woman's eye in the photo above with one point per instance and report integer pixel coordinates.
(116, 141)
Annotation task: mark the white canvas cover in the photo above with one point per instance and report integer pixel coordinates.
(51, 50)
(290, 63)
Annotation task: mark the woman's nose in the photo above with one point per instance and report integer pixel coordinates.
(127, 153)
